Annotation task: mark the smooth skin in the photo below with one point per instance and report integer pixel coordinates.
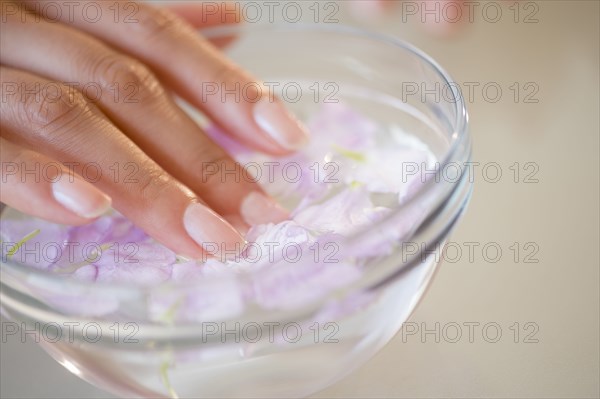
(90, 105)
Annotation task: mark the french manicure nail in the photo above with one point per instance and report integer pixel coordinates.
(80, 197)
(280, 124)
(257, 208)
(212, 232)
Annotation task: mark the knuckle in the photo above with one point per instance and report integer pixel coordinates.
(227, 72)
(155, 22)
(152, 185)
(211, 169)
(125, 79)
(23, 156)
(27, 159)
(48, 108)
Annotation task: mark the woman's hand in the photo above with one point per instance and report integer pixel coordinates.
(88, 95)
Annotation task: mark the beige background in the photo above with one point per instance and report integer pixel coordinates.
(558, 296)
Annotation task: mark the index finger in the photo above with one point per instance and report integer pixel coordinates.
(186, 62)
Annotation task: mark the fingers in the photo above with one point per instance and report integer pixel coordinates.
(208, 14)
(133, 99)
(37, 113)
(195, 69)
(37, 185)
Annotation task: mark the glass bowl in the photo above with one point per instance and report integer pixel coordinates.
(106, 334)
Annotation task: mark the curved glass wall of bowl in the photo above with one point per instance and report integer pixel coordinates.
(373, 184)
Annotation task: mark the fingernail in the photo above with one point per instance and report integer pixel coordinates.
(257, 208)
(212, 232)
(80, 197)
(275, 120)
